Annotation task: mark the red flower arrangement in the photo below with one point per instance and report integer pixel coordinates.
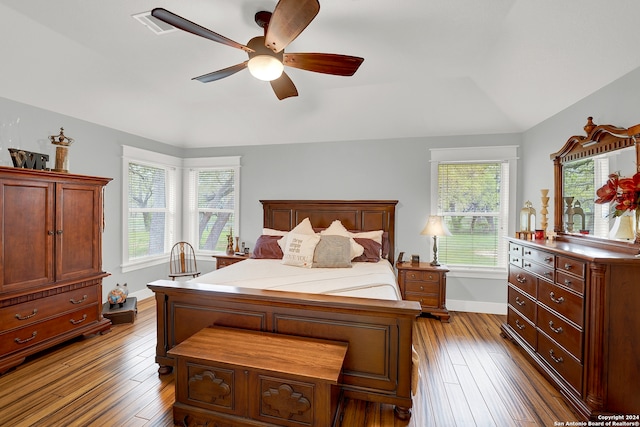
(622, 193)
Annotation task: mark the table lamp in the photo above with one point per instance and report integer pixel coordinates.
(435, 227)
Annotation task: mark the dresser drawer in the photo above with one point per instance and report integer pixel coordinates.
(543, 271)
(515, 254)
(570, 265)
(523, 280)
(565, 334)
(29, 312)
(422, 287)
(523, 304)
(35, 333)
(570, 282)
(524, 328)
(426, 276)
(541, 257)
(562, 301)
(561, 361)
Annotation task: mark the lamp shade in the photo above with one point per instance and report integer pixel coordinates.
(435, 227)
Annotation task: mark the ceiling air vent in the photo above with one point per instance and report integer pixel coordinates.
(155, 25)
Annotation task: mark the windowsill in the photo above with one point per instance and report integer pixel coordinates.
(478, 273)
(144, 263)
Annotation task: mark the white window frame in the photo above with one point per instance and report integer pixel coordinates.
(172, 165)
(190, 201)
(506, 153)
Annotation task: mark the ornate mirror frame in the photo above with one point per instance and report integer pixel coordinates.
(599, 139)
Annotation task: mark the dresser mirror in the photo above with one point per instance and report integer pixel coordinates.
(581, 167)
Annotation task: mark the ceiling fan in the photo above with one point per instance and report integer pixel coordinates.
(266, 53)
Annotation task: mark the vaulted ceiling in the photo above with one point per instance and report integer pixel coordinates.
(432, 67)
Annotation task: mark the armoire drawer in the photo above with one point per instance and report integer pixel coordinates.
(26, 313)
(23, 338)
(562, 301)
(565, 334)
(524, 304)
(524, 281)
(523, 327)
(561, 361)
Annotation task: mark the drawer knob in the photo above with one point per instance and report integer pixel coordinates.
(548, 259)
(554, 299)
(422, 288)
(520, 326)
(19, 341)
(555, 359)
(527, 252)
(548, 274)
(83, 299)
(557, 330)
(567, 282)
(28, 316)
(520, 302)
(568, 266)
(520, 279)
(526, 264)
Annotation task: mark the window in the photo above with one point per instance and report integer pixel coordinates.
(471, 189)
(150, 182)
(213, 202)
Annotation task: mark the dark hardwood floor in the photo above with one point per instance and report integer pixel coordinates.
(470, 376)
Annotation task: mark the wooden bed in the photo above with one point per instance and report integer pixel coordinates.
(378, 365)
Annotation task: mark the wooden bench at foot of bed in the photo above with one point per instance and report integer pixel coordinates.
(249, 378)
(378, 364)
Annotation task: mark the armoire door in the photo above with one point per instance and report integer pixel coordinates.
(26, 241)
(78, 230)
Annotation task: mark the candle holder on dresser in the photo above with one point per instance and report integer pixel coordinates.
(544, 211)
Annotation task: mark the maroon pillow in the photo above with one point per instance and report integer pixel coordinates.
(371, 250)
(267, 248)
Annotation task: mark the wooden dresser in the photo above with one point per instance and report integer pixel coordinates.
(50, 260)
(573, 309)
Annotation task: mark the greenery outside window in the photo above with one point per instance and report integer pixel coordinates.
(213, 203)
(473, 191)
(150, 183)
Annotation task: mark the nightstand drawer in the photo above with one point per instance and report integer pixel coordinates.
(425, 300)
(427, 276)
(423, 287)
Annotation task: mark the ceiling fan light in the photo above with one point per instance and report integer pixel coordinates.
(265, 67)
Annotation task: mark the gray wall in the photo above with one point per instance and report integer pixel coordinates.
(371, 169)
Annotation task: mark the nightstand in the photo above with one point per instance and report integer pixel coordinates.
(223, 260)
(426, 284)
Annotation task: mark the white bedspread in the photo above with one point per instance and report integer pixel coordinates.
(364, 279)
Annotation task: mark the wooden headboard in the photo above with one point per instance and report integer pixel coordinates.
(357, 215)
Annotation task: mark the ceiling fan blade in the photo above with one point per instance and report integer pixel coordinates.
(288, 20)
(284, 87)
(221, 74)
(193, 28)
(326, 63)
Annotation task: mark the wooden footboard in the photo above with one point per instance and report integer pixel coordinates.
(378, 363)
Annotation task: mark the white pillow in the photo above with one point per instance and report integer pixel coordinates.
(337, 229)
(299, 248)
(304, 227)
